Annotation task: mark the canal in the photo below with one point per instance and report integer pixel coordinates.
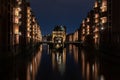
(71, 63)
(75, 63)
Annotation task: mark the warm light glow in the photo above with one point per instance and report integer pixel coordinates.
(28, 21)
(16, 29)
(83, 21)
(88, 33)
(28, 35)
(96, 29)
(96, 35)
(19, 9)
(96, 20)
(83, 25)
(96, 4)
(28, 29)
(93, 68)
(31, 68)
(96, 15)
(88, 71)
(16, 20)
(28, 24)
(16, 12)
(88, 19)
(83, 31)
(88, 27)
(83, 63)
(75, 53)
(28, 15)
(104, 19)
(104, 3)
(104, 6)
(28, 10)
(102, 77)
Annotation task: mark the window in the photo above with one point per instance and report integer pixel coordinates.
(96, 4)
(104, 6)
(96, 15)
(104, 19)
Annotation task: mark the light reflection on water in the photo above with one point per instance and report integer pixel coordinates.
(59, 61)
(21, 67)
(71, 63)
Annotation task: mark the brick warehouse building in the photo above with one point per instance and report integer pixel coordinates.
(107, 22)
(105, 25)
(17, 26)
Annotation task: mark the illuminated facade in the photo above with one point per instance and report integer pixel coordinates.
(9, 24)
(17, 26)
(102, 24)
(75, 36)
(86, 30)
(106, 30)
(59, 61)
(69, 37)
(83, 31)
(59, 32)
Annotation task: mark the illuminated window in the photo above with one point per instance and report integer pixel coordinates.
(96, 15)
(96, 35)
(16, 20)
(104, 19)
(83, 21)
(16, 29)
(104, 3)
(104, 6)
(28, 20)
(28, 35)
(83, 25)
(19, 9)
(29, 10)
(33, 19)
(96, 20)
(28, 15)
(96, 4)
(88, 27)
(28, 29)
(88, 19)
(83, 31)
(96, 29)
(16, 12)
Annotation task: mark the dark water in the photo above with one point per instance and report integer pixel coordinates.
(74, 63)
(71, 63)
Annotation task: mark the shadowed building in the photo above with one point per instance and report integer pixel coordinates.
(103, 25)
(107, 22)
(16, 22)
(9, 24)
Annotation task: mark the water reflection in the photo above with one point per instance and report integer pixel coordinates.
(33, 65)
(21, 67)
(59, 61)
(71, 63)
(90, 65)
(75, 53)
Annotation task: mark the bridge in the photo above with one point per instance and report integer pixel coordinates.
(50, 42)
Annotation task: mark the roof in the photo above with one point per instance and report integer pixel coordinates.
(59, 28)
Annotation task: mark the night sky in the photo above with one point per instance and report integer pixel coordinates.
(70, 13)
